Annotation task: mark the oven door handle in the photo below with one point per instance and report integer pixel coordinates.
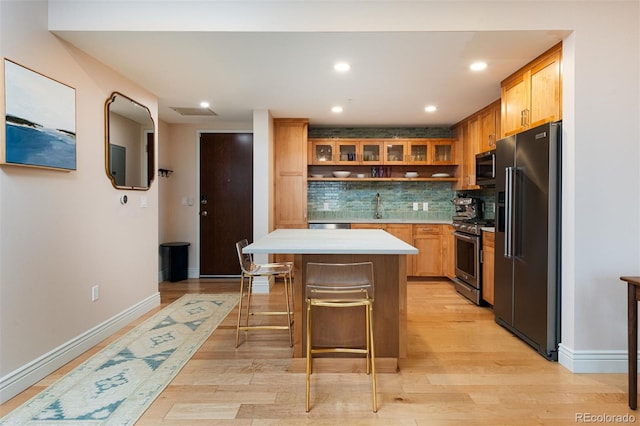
(471, 239)
(509, 204)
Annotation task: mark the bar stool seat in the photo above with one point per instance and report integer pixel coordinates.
(250, 270)
(339, 286)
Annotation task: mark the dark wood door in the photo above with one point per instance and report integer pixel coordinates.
(226, 200)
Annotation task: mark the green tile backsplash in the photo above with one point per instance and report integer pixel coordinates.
(380, 132)
(357, 200)
(351, 200)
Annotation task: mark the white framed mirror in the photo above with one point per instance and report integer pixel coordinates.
(130, 143)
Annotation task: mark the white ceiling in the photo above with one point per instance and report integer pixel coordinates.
(393, 76)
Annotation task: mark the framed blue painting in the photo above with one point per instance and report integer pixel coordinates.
(40, 120)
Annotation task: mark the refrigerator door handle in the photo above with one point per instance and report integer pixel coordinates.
(493, 164)
(508, 228)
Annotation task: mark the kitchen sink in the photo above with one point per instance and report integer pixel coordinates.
(329, 226)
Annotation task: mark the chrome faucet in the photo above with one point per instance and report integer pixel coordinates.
(378, 215)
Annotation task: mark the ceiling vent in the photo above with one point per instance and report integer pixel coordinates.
(193, 112)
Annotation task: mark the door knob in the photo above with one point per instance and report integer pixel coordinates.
(204, 213)
(203, 199)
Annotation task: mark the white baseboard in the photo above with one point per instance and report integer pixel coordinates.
(20, 379)
(585, 361)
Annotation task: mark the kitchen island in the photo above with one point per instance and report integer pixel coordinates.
(388, 255)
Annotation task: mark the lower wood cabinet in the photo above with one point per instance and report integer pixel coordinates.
(433, 241)
(428, 240)
(448, 252)
(488, 257)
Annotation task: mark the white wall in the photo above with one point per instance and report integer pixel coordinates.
(63, 232)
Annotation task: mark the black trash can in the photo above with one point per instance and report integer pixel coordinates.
(175, 258)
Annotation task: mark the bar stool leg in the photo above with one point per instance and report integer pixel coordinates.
(249, 291)
(309, 363)
(371, 353)
(240, 309)
(288, 297)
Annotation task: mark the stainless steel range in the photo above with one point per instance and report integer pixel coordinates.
(468, 223)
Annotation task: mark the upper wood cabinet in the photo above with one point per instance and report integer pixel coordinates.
(322, 151)
(345, 151)
(290, 169)
(419, 151)
(533, 95)
(467, 133)
(489, 127)
(476, 133)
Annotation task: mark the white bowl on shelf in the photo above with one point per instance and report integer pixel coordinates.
(317, 176)
(341, 174)
(360, 175)
(411, 174)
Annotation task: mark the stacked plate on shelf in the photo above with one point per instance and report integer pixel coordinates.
(440, 175)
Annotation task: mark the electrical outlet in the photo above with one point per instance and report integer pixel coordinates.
(325, 206)
(95, 293)
(425, 207)
(415, 207)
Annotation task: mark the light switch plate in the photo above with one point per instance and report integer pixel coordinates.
(415, 207)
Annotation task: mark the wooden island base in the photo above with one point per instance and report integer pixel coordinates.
(345, 327)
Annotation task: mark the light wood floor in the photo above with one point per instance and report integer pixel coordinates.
(462, 368)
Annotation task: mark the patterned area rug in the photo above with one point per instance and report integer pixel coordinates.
(116, 385)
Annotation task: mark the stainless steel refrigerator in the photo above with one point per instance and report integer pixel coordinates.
(527, 265)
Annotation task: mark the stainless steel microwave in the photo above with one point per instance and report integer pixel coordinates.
(486, 168)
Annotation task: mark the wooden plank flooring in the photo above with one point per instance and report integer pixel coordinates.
(462, 368)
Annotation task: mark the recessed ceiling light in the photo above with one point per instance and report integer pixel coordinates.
(204, 104)
(478, 66)
(336, 109)
(430, 108)
(342, 67)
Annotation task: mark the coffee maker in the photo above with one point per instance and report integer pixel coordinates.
(467, 208)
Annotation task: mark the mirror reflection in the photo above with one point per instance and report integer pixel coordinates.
(129, 143)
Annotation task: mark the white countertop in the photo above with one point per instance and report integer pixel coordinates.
(330, 241)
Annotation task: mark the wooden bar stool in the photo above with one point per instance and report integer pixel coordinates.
(339, 286)
(249, 271)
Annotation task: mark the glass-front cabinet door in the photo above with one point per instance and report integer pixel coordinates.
(371, 152)
(322, 152)
(419, 152)
(394, 152)
(442, 152)
(347, 152)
